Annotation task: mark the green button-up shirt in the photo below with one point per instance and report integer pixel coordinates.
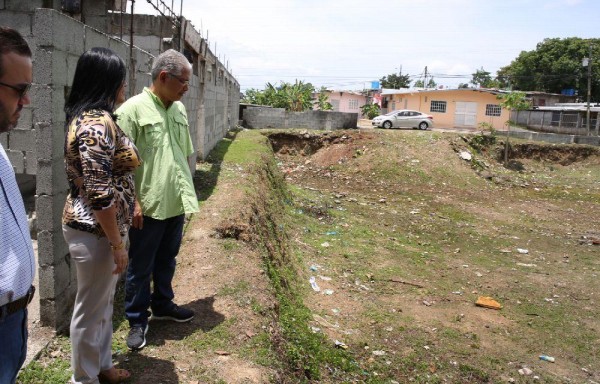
(163, 182)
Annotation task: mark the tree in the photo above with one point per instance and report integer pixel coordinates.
(295, 97)
(430, 84)
(395, 81)
(322, 102)
(512, 101)
(370, 110)
(554, 65)
(483, 79)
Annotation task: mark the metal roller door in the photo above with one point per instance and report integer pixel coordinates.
(465, 114)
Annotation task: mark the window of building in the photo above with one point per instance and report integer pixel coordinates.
(353, 104)
(335, 104)
(492, 110)
(438, 106)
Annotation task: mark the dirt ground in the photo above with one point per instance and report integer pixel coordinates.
(402, 235)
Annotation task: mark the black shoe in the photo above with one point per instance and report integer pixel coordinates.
(136, 339)
(174, 313)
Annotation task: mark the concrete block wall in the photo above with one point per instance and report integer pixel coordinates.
(218, 111)
(540, 121)
(35, 147)
(58, 42)
(264, 117)
(20, 142)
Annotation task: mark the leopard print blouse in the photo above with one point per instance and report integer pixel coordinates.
(99, 161)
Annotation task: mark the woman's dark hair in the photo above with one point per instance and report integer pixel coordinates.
(99, 74)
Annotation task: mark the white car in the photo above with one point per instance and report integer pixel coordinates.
(404, 118)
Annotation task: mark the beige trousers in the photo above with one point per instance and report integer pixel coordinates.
(91, 324)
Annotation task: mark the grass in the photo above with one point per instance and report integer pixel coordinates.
(410, 236)
(452, 246)
(57, 370)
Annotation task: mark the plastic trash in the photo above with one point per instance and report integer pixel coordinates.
(313, 284)
(488, 302)
(328, 292)
(522, 251)
(465, 155)
(547, 358)
(339, 344)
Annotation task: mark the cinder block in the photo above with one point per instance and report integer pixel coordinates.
(588, 140)
(44, 132)
(17, 159)
(51, 178)
(43, 27)
(51, 246)
(4, 140)
(94, 8)
(26, 119)
(97, 22)
(47, 311)
(143, 61)
(120, 48)
(41, 100)
(22, 140)
(20, 5)
(17, 20)
(71, 67)
(42, 66)
(46, 280)
(68, 35)
(64, 307)
(60, 69)
(94, 38)
(54, 279)
(30, 163)
(58, 104)
(47, 209)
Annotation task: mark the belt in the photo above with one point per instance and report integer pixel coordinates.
(14, 306)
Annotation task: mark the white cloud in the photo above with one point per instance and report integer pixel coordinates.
(352, 41)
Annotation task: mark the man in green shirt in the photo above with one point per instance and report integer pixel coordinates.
(156, 121)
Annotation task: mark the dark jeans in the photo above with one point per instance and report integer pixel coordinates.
(151, 256)
(13, 336)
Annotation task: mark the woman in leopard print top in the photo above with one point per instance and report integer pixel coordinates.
(99, 161)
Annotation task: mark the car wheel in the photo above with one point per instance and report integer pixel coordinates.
(423, 125)
(387, 124)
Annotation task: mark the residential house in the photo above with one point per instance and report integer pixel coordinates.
(464, 107)
(345, 101)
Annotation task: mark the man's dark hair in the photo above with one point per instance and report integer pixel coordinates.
(11, 41)
(99, 74)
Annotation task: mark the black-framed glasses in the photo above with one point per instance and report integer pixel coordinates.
(182, 81)
(21, 90)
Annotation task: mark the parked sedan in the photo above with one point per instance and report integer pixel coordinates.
(404, 119)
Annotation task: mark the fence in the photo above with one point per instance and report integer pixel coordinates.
(563, 122)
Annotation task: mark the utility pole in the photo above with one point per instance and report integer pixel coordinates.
(589, 91)
(425, 80)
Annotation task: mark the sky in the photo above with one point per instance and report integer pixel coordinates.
(348, 44)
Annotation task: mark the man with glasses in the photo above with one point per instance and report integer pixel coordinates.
(156, 121)
(17, 262)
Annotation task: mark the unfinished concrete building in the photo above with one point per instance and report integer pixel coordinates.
(58, 33)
